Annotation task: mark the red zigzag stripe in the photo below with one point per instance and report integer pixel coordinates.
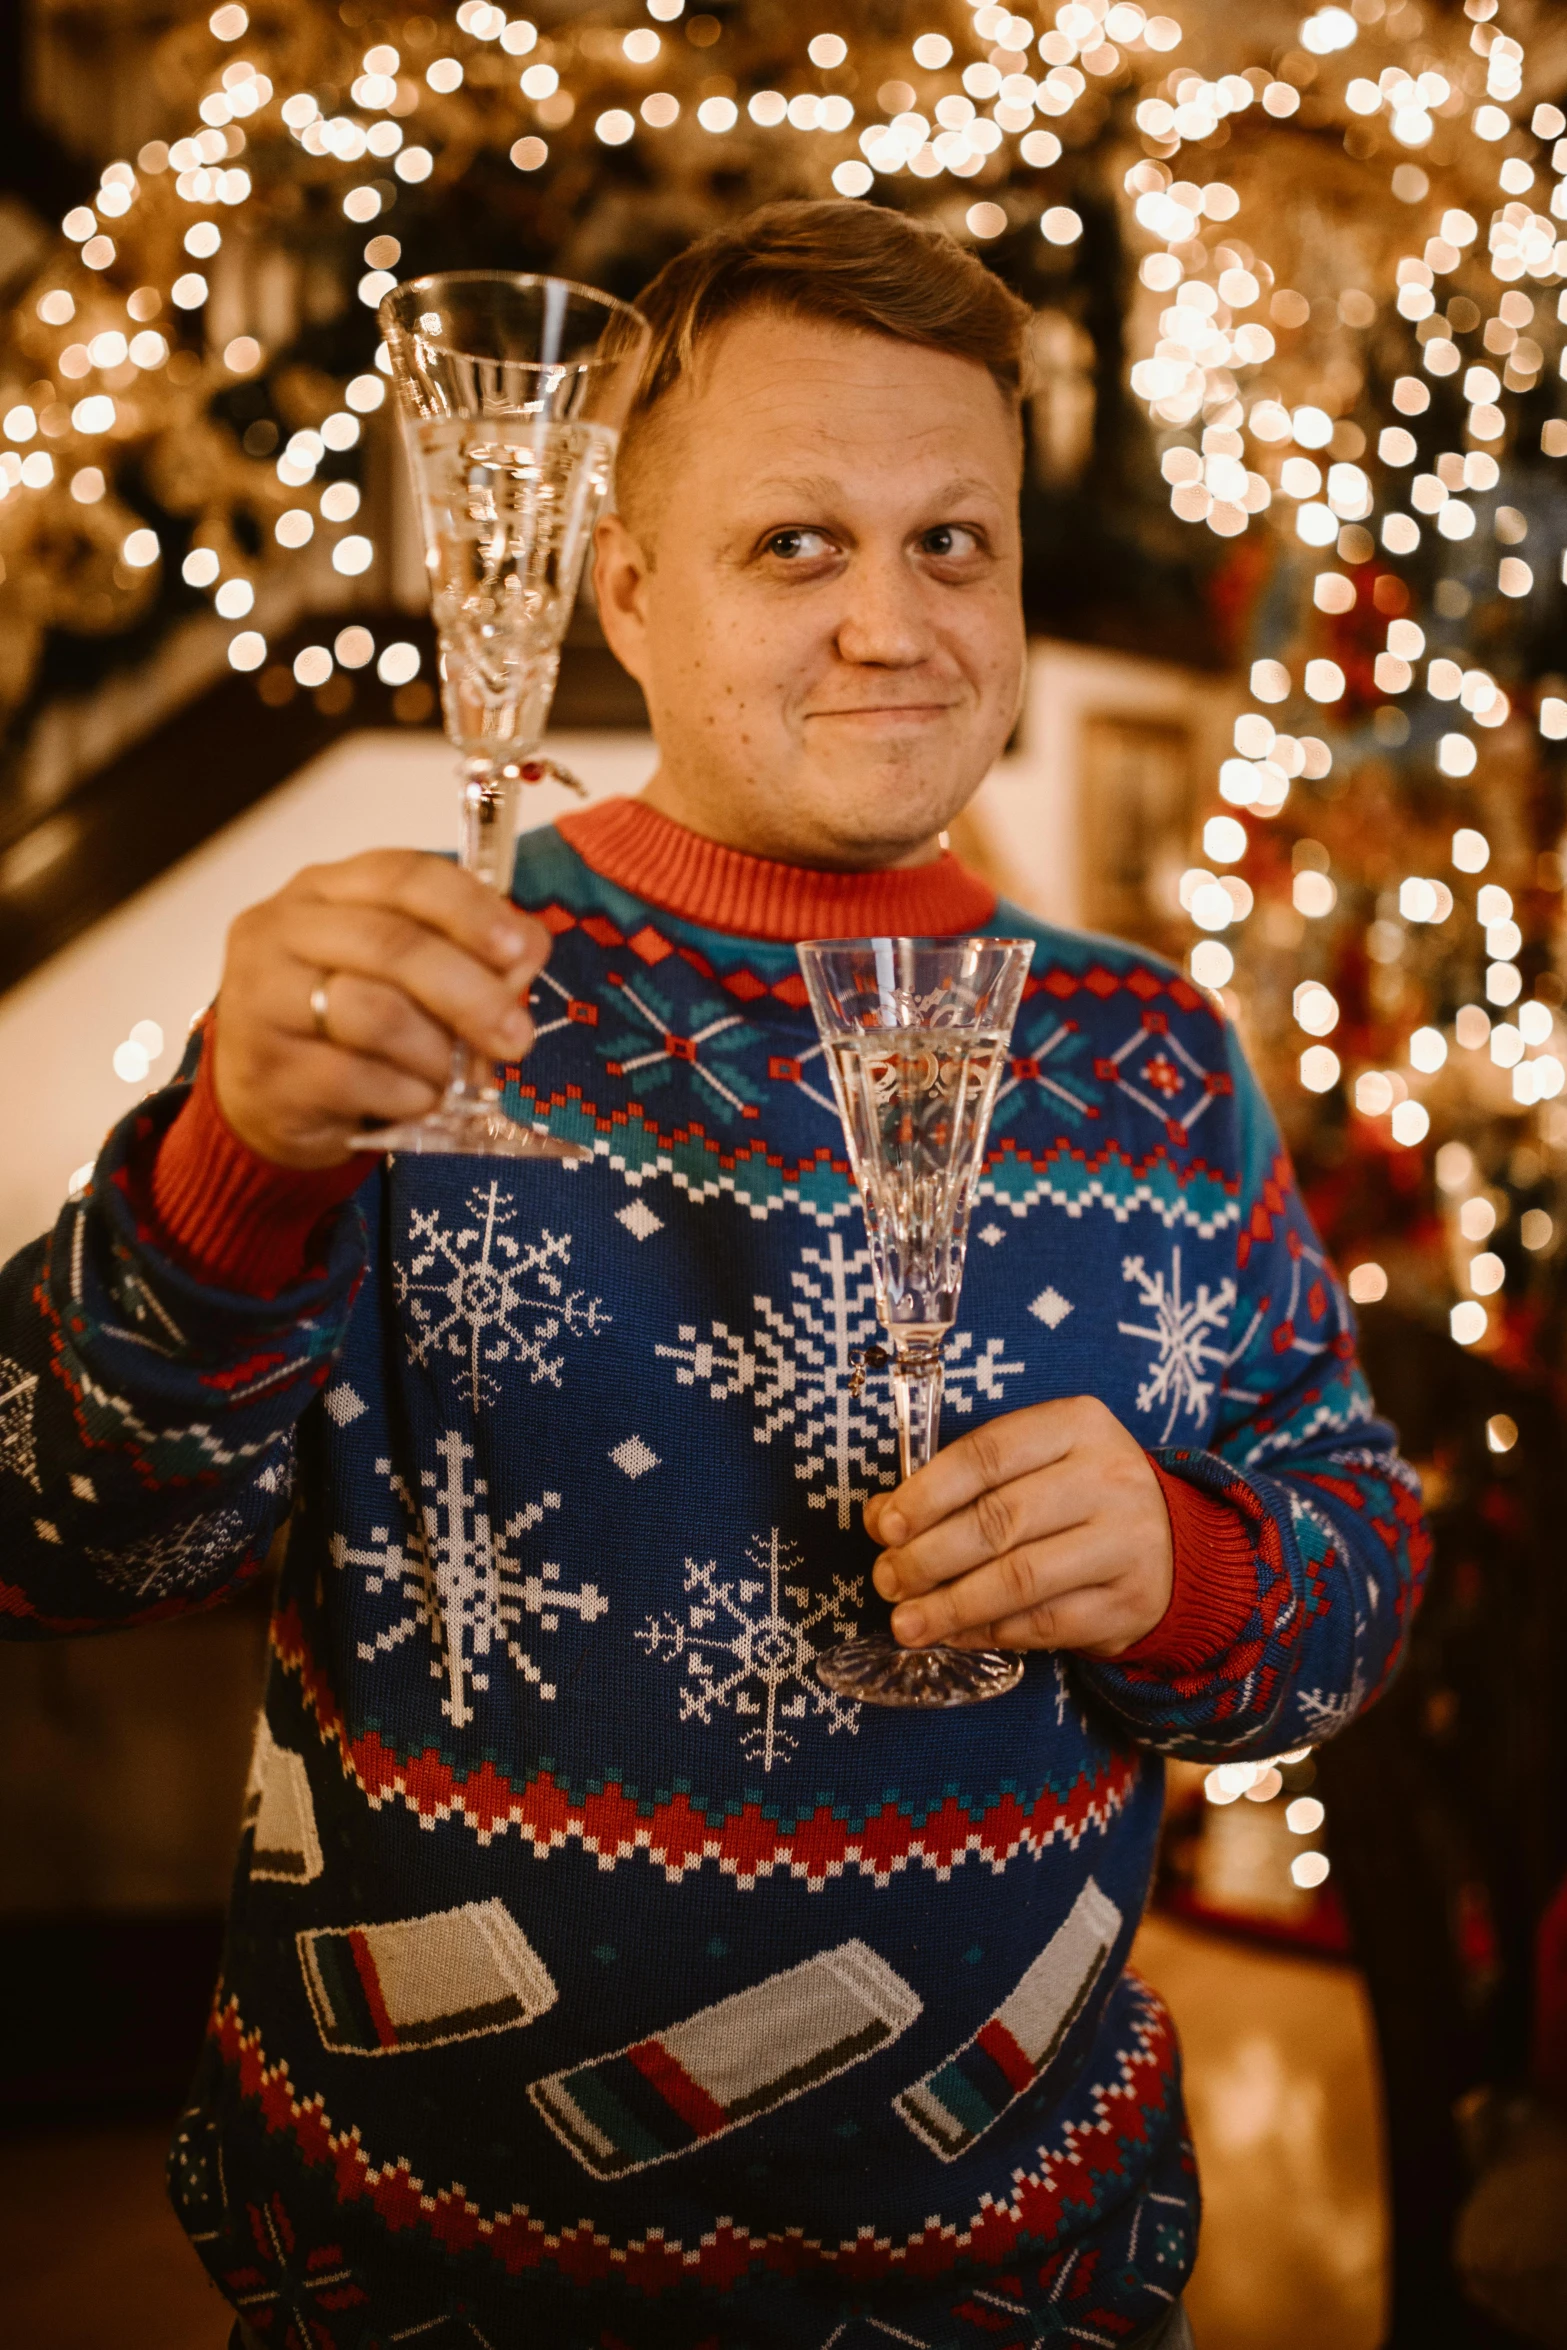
(674, 1834)
(1044, 2202)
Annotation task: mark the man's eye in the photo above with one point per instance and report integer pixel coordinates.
(799, 546)
(949, 542)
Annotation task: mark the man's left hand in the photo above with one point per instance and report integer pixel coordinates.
(1045, 1528)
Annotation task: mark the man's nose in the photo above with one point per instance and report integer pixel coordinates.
(884, 623)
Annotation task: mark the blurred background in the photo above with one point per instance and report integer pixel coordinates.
(1295, 523)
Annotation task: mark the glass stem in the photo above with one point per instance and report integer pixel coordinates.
(916, 1391)
(489, 797)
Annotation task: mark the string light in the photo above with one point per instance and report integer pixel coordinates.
(1252, 384)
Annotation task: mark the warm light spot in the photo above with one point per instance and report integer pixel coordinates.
(398, 664)
(1468, 1321)
(354, 647)
(247, 650)
(1314, 895)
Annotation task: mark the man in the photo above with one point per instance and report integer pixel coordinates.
(593, 1976)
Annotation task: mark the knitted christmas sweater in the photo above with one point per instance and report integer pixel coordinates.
(594, 1977)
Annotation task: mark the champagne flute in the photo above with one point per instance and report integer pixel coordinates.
(916, 1033)
(511, 391)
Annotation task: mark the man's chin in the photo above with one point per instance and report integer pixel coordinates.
(874, 811)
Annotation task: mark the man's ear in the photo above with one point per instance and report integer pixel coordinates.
(621, 573)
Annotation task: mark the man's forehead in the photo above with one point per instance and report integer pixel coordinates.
(780, 406)
(777, 364)
(825, 487)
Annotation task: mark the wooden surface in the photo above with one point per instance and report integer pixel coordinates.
(1281, 2089)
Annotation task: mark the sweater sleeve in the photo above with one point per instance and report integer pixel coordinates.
(151, 1386)
(1299, 1541)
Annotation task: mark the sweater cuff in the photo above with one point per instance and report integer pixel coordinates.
(1214, 1587)
(231, 1217)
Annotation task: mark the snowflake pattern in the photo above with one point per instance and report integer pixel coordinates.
(1182, 1334)
(1154, 1069)
(1059, 1046)
(461, 1580)
(163, 1564)
(484, 1296)
(277, 2276)
(757, 1660)
(1326, 1715)
(710, 1049)
(18, 1445)
(797, 1371)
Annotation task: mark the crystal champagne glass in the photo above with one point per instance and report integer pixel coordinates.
(916, 1033)
(511, 391)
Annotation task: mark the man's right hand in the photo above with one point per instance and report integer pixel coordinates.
(413, 953)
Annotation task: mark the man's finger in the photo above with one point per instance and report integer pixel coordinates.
(467, 997)
(433, 891)
(1046, 1501)
(988, 1456)
(1007, 1586)
(1076, 1620)
(333, 1093)
(367, 1016)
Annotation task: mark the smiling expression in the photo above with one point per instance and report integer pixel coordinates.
(815, 580)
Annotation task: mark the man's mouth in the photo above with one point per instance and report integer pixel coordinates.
(886, 710)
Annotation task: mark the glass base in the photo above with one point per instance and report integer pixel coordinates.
(469, 1130)
(879, 1672)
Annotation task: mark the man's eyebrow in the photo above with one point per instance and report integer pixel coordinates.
(823, 489)
(813, 488)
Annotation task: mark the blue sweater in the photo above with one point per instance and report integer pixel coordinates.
(593, 1977)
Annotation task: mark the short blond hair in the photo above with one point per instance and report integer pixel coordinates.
(853, 265)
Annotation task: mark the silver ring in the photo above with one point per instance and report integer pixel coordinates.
(318, 1006)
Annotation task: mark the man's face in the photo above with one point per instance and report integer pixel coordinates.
(821, 600)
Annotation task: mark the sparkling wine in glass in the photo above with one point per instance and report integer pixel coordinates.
(511, 391)
(916, 1032)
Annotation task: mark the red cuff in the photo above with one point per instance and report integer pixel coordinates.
(1214, 1588)
(231, 1217)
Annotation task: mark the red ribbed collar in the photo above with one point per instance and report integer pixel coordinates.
(631, 844)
